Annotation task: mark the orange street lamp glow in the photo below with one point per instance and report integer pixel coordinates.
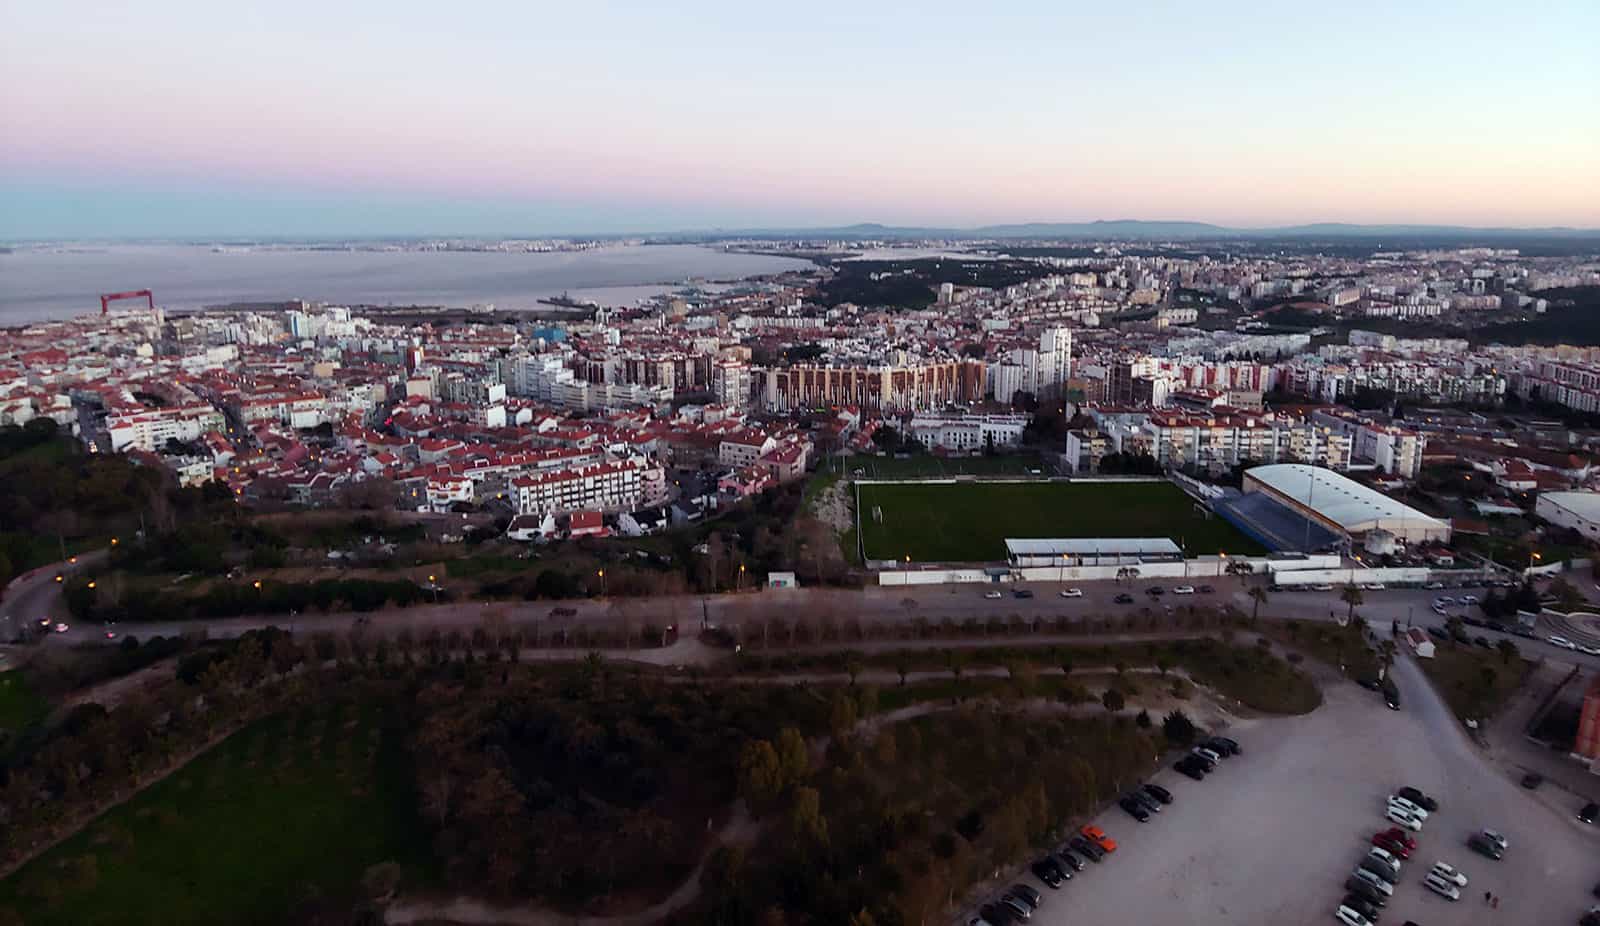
(91, 585)
(257, 583)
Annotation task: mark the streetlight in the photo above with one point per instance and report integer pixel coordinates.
(91, 585)
(740, 586)
(257, 584)
(113, 541)
(433, 584)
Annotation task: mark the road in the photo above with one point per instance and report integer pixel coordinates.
(1271, 836)
(35, 595)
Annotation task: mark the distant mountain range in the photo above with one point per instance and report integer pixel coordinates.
(1167, 231)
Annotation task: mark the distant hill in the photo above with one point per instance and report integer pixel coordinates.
(1155, 230)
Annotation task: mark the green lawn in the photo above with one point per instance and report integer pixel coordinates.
(970, 522)
(20, 705)
(1475, 682)
(291, 808)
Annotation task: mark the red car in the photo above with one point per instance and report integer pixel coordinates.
(1385, 841)
(1401, 836)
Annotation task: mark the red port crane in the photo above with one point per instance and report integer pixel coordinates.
(108, 298)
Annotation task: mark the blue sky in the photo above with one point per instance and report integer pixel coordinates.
(187, 118)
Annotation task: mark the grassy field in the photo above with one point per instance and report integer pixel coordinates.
(970, 522)
(293, 808)
(20, 705)
(1475, 682)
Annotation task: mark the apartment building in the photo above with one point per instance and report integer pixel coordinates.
(150, 430)
(616, 486)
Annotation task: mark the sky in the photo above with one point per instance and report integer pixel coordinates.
(198, 118)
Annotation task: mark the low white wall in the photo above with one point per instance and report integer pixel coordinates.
(1550, 569)
(931, 576)
(1350, 576)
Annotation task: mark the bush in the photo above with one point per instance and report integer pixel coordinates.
(1178, 728)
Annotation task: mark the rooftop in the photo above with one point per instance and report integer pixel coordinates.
(1344, 501)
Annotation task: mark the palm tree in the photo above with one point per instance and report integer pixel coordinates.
(1259, 596)
(1352, 597)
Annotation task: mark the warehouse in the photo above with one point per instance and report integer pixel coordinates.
(1577, 510)
(1342, 505)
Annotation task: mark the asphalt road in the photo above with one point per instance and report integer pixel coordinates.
(1272, 834)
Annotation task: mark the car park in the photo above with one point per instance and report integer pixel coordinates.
(1350, 917)
(1417, 797)
(1589, 812)
(1159, 793)
(1396, 815)
(1072, 593)
(1484, 846)
(1448, 872)
(1441, 887)
(1374, 880)
(1049, 872)
(1134, 809)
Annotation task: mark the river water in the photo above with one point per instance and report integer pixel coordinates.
(60, 282)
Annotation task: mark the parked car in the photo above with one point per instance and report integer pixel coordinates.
(1449, 873)
(1374, 880)
(1205, 589)
(1016, 906)
(1366, 892)
(1159, 793)
(1229, 747)
(1086, 848)
(1027, 893)
(1134, 809)
(1532, 780)
(1360, 904)
(1417, 797)
(1497, 839)
(1469, 599)
(1410, 807)
(999, 916)
(1589, 650)
(1322, 588)
(1068, 860)
(1484, 846)
(1149, 801)
(1123, 598)
(1183, 590)
(1562, 642)
(1192, 769)
(1155, 591)
(1098, 837)
(1395, 846)
(1072, 593)
(1049, 872)
(992, 595)
(1396, 815)
(1371, 684)
(1371, 586)
(1210, 755)
(1439, 633)
(1022, 593)
(1350, 917)
(1524, 632)
(1402, 837)
(1385, 856)
(1379, 868)
(1589, 812)
(1441, 887)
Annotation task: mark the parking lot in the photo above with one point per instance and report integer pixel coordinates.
(1272, 834)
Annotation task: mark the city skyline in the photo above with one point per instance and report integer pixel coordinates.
(179, 119)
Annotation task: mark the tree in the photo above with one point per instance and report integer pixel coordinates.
(1508, 651)
(1352, 597)
(1143, 720)
(794, 760)
(1178, 728)
(1258, 595)
(1113, 700)
(887, 439)
(805, 816)
(760, 775)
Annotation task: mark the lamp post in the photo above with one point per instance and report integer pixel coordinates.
(602, 574)
(740, 585)
(433, 585)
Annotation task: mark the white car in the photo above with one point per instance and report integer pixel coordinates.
(1385, 856)
(1589, 650)
(1408, 807)
(1469, 599)
(1183, 590)
(1440, 609)
(1371, 586)
(1350, 917)
(1497, 839)
(1396, 815)
(1072, 593)
(62, 628)
(1448, 873)
(1376, 883)
(1446, 599)
(993, 595)
(1562, 642)
(1322, 588)
(1441, 887)
(1205, 753)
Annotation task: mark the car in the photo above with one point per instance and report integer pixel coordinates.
(1206, 765)
(1322, 588)
(1150, 801)
(1229, 747)
(1086, 848)
(1589, 650)
(1524, 632)
(1159, 793)
(1394, 846)
(1496, 838)
(1066, 859)
(1485, 847)
(992, 595)
(61, 627)
(1440, 610)
(111, 634)
(1444, 599)
(1360, 904)
(1378, 868)
(1441, 887)
(1022, 593)
(1439, 633)
(1385, 856)
(1027, 893)
(1366, 892)
(1210, 755)
(1484, 642)
(1374, 880)
(1183, 590)
(1371, 586)
(1589, 812)
(1471, 621)
(1185, 767)
(1448, 872)
(1350, 917)
(1049, 872)
(1396, 815)
(1134, 809)
(1431, 586)
(1592, 918)
(1123, 598)
(1469, 599)
(1414, 808)
(1205, 589)
(1532, 780)
(1371, 684)
(1016, 906)
(1401, 836)
(1098, 837)
(1562, 642)
(1417, 797)
(978, 921)
(1391, 699)
(1155, 591)
(1072, 593)
(999, 916)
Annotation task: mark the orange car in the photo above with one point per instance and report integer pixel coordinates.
(1098, 836)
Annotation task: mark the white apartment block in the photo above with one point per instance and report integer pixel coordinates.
(616, 486)
(152, 429)
(967, 433)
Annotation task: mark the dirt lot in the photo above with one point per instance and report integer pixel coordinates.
(1271, 836)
